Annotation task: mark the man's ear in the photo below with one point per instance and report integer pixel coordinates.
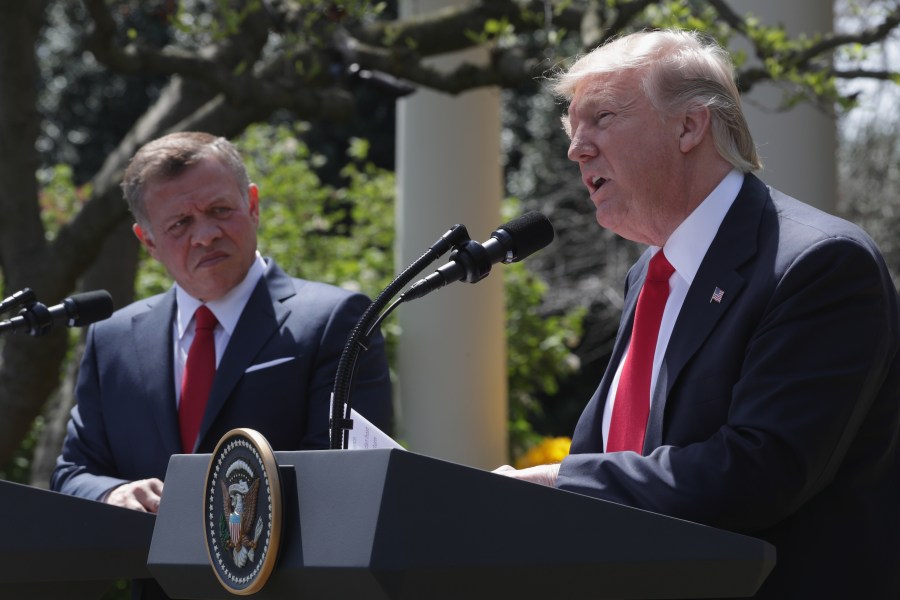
(145, 239)
(253, 197)
(694, 127)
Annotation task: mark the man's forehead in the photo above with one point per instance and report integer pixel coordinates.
(603, 88)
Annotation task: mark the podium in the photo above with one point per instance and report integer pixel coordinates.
(389, 524)
(57, 546)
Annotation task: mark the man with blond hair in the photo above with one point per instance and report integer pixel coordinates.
(754, 384)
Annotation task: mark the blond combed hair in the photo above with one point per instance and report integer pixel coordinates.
(678, 70)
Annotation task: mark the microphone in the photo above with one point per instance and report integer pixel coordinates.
(24, 297)
(471, 261)
(77, 310)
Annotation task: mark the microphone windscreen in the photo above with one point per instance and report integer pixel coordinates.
(530, 232)
(90, 307)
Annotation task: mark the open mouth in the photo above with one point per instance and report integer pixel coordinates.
(597, 183)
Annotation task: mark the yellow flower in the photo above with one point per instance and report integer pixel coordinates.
(550, 450)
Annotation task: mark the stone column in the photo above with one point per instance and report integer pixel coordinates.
(451, 364)
(798, 146)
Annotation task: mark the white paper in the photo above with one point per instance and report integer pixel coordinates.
(365, 436)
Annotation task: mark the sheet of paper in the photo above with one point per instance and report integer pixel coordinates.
(365, 436)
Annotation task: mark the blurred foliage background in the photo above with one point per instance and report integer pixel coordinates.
(307, 89)
(314, 117)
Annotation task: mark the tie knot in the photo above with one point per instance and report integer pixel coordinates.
(660, 268)
(205, 318)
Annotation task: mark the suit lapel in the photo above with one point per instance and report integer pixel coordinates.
(733, 245)
(152, 339)
(263, 315)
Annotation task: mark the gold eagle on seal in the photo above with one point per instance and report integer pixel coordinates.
(240, 511)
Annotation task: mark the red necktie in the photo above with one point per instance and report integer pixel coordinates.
(199, 371)
(632, 407)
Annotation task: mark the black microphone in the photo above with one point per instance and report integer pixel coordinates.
(77, 310)
(24, 297)
(472, 261)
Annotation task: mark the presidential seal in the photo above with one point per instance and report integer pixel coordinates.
(242, 511)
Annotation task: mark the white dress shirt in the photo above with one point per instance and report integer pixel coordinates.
(227, 310)
(685, 250)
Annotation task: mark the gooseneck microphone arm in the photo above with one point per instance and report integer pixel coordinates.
(340, 422)
(469, 261)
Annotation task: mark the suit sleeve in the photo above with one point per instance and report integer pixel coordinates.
(85, 466)
(370, 392)
(814, 359)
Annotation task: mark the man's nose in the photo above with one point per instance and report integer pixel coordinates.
(581, 148)
(206, 232)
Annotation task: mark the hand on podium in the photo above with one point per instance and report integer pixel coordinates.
(142, 495)
(542, 474)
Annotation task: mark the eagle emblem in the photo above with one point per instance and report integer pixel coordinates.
(242, 508)
(239, 499)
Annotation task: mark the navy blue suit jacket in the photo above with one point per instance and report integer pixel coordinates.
(777, 409)
(125, 424)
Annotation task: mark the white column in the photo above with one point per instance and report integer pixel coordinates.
(797, 146)
(451, 363)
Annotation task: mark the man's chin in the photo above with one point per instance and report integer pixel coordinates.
(606, 220)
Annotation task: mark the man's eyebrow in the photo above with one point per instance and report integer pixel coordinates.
(175, 215)
(603, 98)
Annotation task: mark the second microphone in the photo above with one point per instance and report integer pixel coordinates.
(471, 261)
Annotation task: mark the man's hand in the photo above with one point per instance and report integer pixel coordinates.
(542, 474)
(142, 495)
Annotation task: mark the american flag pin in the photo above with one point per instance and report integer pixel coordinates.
(717, 295)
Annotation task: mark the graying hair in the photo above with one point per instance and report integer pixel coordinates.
(168, 157)
(679, 70)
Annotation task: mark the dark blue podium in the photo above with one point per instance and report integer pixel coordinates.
(60, 547)
(388, 524)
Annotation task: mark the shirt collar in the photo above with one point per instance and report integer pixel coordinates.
(689, 243)
(227, 309)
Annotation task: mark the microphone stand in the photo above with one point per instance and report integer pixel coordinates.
(36, 316)
(340, 423)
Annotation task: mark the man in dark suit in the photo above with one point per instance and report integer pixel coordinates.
(277, 340)
(771, 399)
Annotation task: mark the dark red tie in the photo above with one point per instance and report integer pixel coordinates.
(199, 371)
(632, 407)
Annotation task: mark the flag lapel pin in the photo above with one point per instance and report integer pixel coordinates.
(717, 296)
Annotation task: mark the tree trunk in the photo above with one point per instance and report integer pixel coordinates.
(114, 270)
(28, 366)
